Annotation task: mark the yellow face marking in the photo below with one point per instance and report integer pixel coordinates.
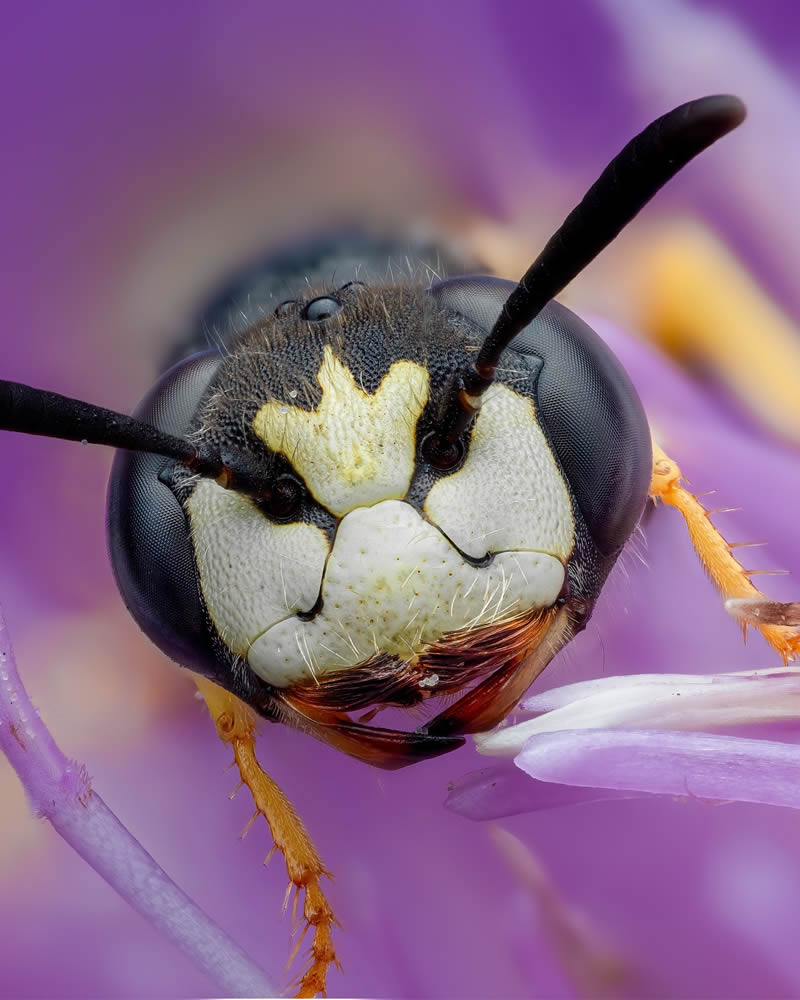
(356, 448)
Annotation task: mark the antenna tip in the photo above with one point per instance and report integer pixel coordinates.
(718, 113)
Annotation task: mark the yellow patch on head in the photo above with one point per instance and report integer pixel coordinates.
(356, 448)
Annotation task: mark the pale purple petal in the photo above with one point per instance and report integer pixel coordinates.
(594, 967)
(699, 765)
(493, 792)
(568, 694)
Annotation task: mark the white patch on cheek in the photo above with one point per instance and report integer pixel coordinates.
(356, 448)
(253, 572)
(394, 584)
(509, 494)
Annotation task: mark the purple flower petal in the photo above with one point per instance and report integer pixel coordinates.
(700, 765)
(494, 792)
(568, 694)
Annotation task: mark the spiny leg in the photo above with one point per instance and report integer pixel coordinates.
(743, 600)
(236, 725)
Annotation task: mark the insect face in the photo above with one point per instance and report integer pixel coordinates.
(385, 493)
(361, 558)
(364, 570)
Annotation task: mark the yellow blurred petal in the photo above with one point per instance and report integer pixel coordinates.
(700, 304)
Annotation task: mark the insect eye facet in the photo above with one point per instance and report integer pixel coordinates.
(321, 308)
(441, 454)
(148, 537)
(283, 499)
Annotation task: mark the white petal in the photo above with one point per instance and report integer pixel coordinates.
(655, 701)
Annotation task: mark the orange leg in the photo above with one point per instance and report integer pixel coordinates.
(743, 600)
(236, 724)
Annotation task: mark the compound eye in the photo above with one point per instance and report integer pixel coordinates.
(149, 542)
(442, 455)
(283, 500)
(321, 308)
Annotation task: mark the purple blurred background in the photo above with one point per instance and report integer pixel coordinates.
(151, 148)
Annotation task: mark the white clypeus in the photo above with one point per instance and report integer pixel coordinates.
(393, 583)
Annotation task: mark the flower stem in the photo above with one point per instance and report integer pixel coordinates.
(59, 790)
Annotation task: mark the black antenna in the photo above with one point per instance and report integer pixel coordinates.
(37, 411)
(635, 174)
